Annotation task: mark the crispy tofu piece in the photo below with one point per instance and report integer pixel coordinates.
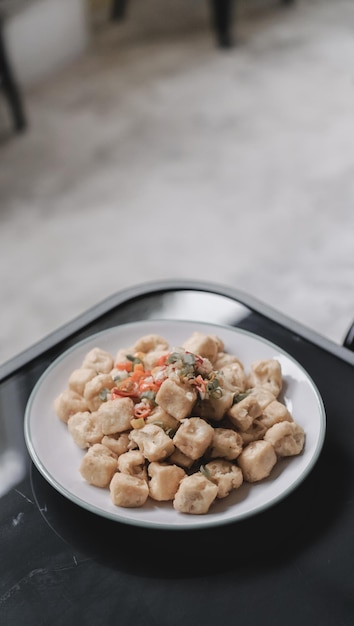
(118, 442)
(234, 377)
(255, 432)
(193, 437)
(122, 353)
(242, 413)
(79, 378)
(153, 442)
(128, 491)
(159, 417)
(85, 429)
(225, 475)
(225, 359)
(149, 343)
(215, 408)
(98, 465)
(177, 399)
(275, 412)
(178, 458)
(165, 480)
(97, 389)
(226, 444)
(287, 438)
(195, 494)
(266, 373)
(115, 415)
(257, 460)
(133, 463)
(152, 358)
(68, 403)
(206, 346)
(99, 360)
(262, 395)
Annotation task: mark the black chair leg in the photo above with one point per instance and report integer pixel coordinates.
(222, 12)
(349, 339)
(118, 9)
(10, 88)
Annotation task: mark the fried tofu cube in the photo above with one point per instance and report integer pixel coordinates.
(97, 389)
(98, 465)
(177, 399)
(118, 442)
(79, 378)
(178, 458)
(225, 359)
(165, 480)
(274, 413)
(68, 403)
(215, 408)
(115, 415)
(287, 438)
(266, 373)
(255, 432)
(206, 346)
(163, 419)
(85, 429)
(128, 491)
(226, 444)
(234, 377)
(150, 342)
(153, 442)
(121, 356)
(151, 359)
(225, 475)
(99, 360)
(242, 413)
(195, 494)
(133, 463)
(262, 395)
(257, 460)
(193, 437)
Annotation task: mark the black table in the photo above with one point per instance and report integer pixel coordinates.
(291, 564)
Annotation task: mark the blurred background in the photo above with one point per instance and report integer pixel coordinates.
(150, 152)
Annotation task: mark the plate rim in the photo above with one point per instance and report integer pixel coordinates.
(201, 521)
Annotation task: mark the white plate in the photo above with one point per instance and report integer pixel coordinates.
(57, 457)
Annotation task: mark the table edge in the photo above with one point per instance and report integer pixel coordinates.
(149, 288)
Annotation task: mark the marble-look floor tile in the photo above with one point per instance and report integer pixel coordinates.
(166, 157)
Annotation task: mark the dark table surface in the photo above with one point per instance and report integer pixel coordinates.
(291, 564)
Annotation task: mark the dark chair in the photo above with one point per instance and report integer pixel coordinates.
(221, 15)
(9, 85)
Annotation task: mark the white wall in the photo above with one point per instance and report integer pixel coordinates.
(45, 36)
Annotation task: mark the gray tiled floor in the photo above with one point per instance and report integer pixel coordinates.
(156, 156)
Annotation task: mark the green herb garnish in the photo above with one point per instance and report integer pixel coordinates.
(213, 388)
(149, 395)
(205, 471)
(240, 396)
(104, 393)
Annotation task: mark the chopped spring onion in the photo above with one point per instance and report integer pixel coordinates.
(213, 388)
(205, 471)
(148, 395)
(104, 393)
(240, 396)
(134, 359)
(171, 432)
